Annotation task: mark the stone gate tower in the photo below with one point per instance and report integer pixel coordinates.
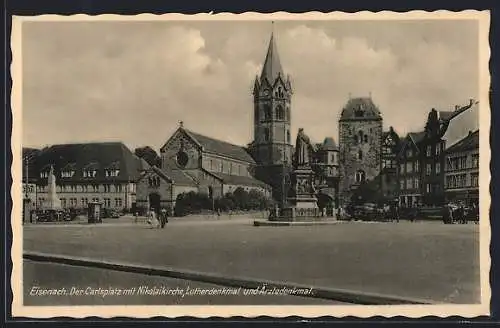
(360, 137)
(272, 143)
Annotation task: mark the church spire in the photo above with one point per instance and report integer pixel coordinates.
(272, 65)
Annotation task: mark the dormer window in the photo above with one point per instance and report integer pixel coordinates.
(112, 173)
(44, 174)
(89, 173)
(67, 174)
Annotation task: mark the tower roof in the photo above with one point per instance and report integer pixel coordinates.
(329, 144)
(361, 108)
(272, 65)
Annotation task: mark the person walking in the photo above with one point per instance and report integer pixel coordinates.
(163, 218)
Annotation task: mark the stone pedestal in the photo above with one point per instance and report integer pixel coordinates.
(302, 205)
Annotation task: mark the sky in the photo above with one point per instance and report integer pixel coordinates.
(134, 81)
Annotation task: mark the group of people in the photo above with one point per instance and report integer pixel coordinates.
(154, 219)
(459, 213)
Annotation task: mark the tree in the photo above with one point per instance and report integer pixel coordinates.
(149, 155)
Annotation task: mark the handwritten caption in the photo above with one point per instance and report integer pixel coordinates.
(166, 291)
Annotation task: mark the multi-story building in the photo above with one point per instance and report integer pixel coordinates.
(410, 170)
(93, 172)
(389, 172)
(425, 150)
(462, 170)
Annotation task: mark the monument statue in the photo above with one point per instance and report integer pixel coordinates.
(53, 202)
(302, 147)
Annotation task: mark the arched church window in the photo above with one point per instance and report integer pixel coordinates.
(266, 134)
(360, 176)
(280, 113)
(267, 112)
(280, 92)
(355, 139)
(288, 138)
(366, 138)
(360, 154)
(287, 113)
(256, 114)
(360, 136)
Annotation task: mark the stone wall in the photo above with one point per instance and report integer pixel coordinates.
(350, 148)
(170, 151)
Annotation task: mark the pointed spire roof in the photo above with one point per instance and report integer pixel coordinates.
(272, 65)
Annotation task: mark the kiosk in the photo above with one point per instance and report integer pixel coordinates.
(94, 212)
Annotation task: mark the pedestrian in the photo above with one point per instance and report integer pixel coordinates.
(152, 220)
(136, 217)
(396, 212)
(463, 217)
(450, 213)
(163, 218)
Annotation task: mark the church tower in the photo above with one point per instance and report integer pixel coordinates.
(272, 143)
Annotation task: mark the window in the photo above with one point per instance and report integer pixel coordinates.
(44, 174)
(107, 188)
(409, 168)
(474, 179)
(416, 165)
(463, 162)
(428, 169)
(401, 168)
(112, 173)
(366, 138)
(409, 153)
(360, 133)
(438, 168)
(118, 202)
(438, 149)
(280, 113)
(63, 202)
(96, 188)
(429, 150)
(182, 159)
(386, 150)
(360, 154)
(211, 164)
(67, 174)
(475, 161)
(360, 176)
(118, 187)
(266, 134)
(428, 187)
(409, 183)
(416, 183)
(267, 112)
(402, 184)
(288, 138)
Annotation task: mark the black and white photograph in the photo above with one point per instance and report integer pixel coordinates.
(251, 164)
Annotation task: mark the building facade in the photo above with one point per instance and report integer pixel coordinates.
(388, 178)
(93, 172)
(410, 170)
(462, 170)
(360, 139)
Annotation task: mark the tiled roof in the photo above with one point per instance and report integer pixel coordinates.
(469, 142)
(417, 137)
(240, 180)
(176, 176)
(360, 109)
(91, 155)
(221, 147)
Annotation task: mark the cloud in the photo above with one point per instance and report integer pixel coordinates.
(134, 82)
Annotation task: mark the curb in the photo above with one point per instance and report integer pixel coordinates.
(346, 296)
(264, 223)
